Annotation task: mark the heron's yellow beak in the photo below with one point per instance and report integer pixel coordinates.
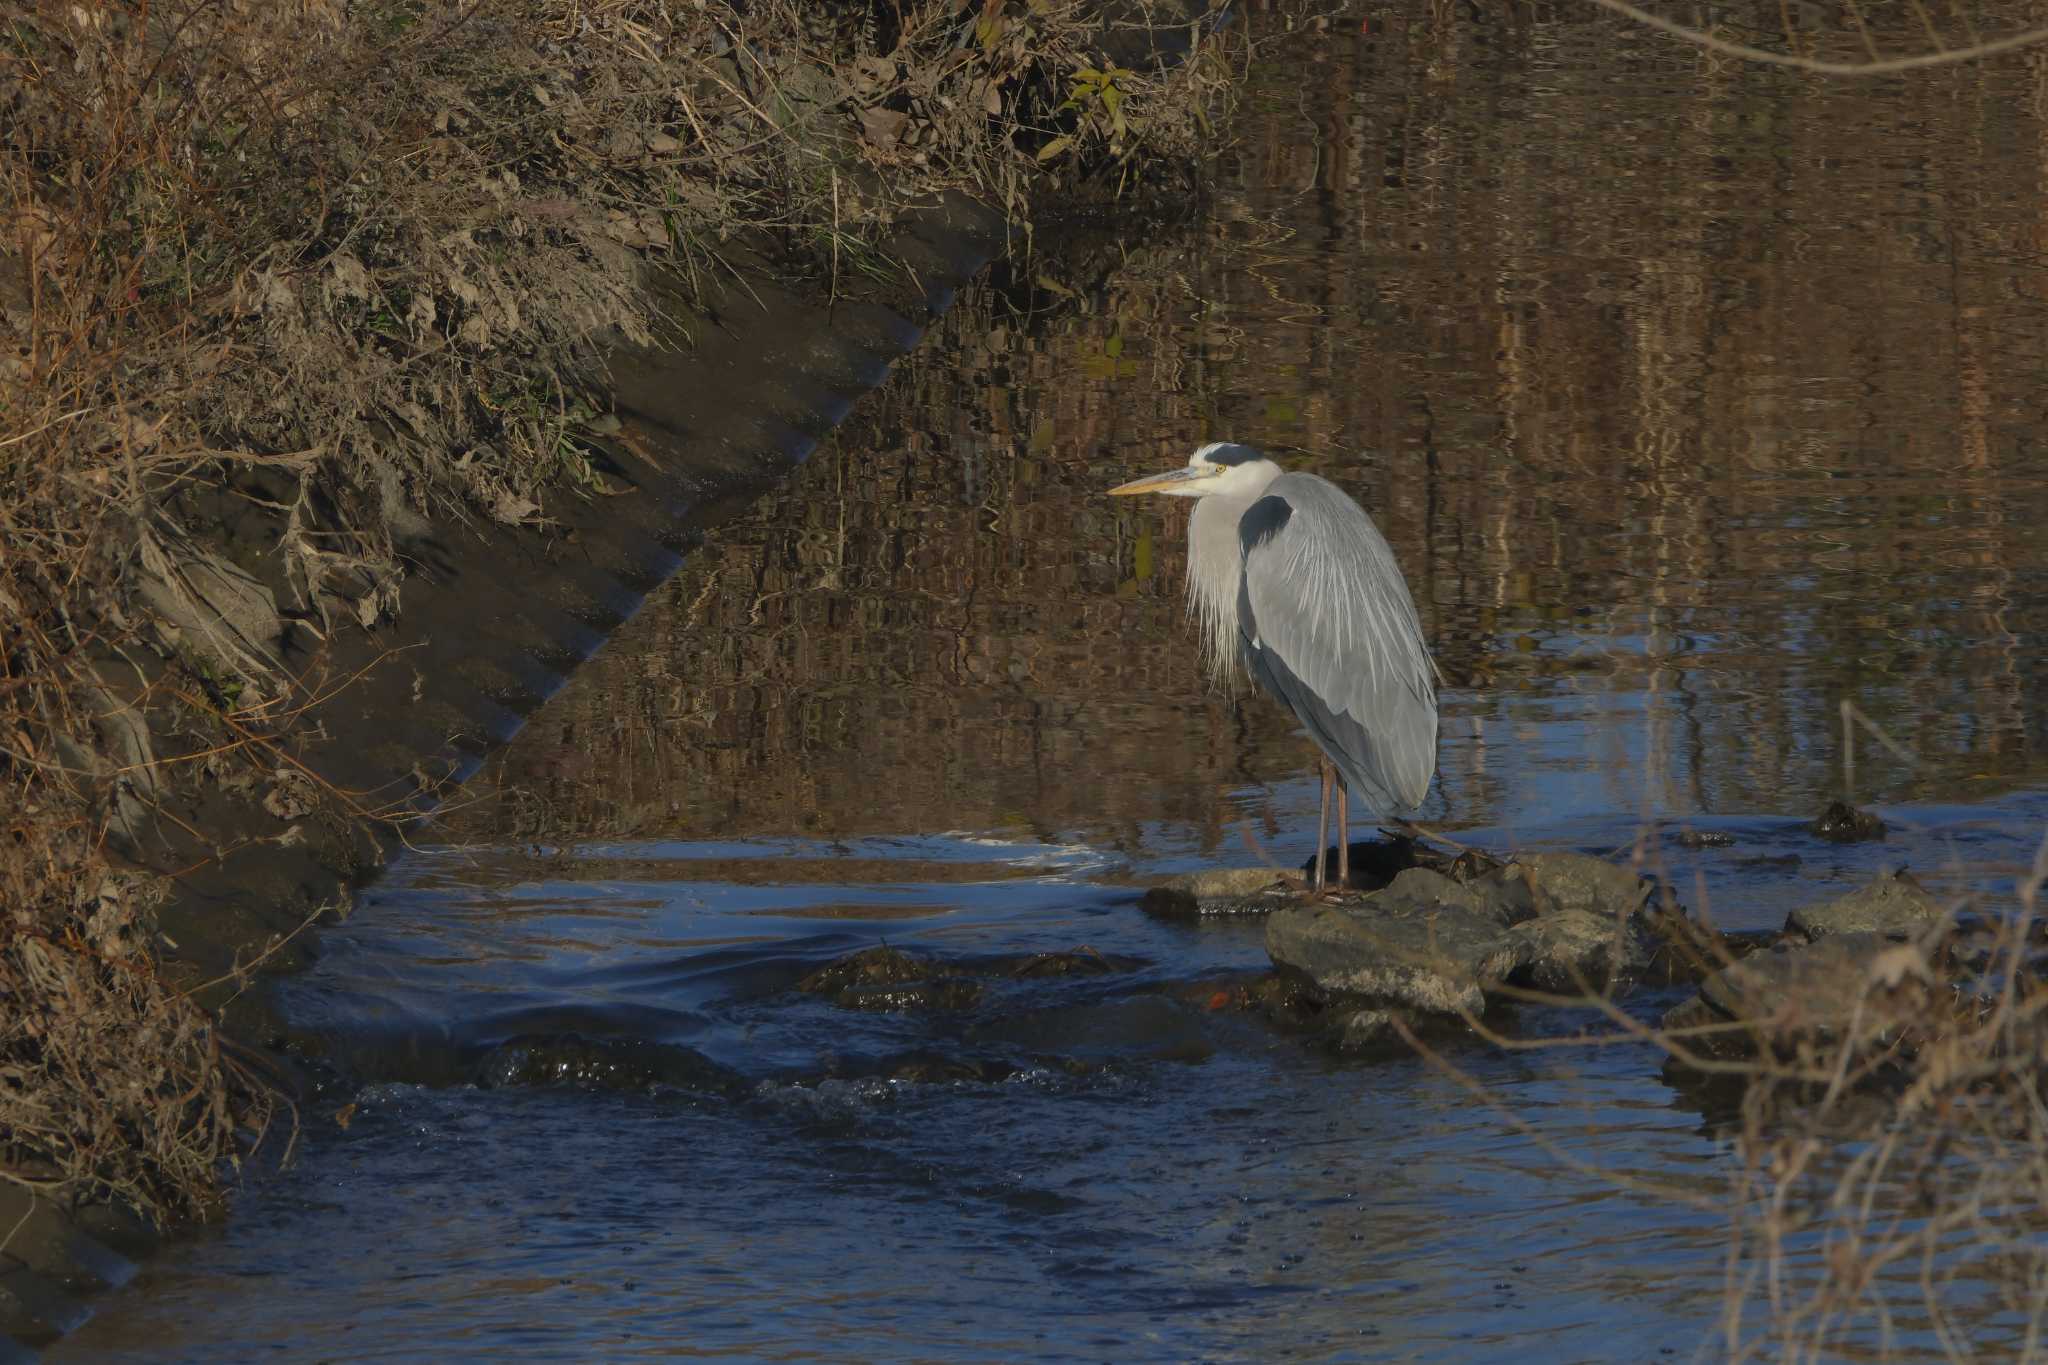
(1164, 483)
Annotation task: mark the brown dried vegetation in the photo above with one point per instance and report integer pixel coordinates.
(356, 265)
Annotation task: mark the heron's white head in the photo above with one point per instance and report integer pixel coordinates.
(1219, 467)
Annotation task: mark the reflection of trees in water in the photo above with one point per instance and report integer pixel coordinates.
(1698, 391)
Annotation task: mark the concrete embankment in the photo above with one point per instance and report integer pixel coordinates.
(238, 760)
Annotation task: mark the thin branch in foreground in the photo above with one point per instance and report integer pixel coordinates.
(1878, 67)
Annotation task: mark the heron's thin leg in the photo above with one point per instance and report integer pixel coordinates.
(1343, 836)
(1323, 829)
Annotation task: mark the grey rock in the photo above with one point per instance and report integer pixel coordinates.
(1423, 888)
(1717, 1038)
(1573, 952)
(1860, 984)
(1577, 881)
(1400, 946)
(1220, 891)
(1228, 881)
(1502, 892)
(1893, 904)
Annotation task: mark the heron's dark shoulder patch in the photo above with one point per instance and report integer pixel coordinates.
(1262, 521)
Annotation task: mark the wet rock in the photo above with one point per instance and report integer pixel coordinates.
(1489, 897)
(1853, 985)
(1501, 890)
(1715, 1038)
(1893, 904)
(1282, 999)
(878, 966)
(931, 1069)
(1365, 1031)
(1703, 838)
(600, 1064)
(1420, 943)
(946, 993)
(1578, 881)
(1573, 952)
(1842, 823)
(1684, 951)
(884, 979)
(1220, 891)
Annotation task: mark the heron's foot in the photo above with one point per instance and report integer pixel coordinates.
(1327, 894)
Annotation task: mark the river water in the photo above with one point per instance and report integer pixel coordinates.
(1696, 399)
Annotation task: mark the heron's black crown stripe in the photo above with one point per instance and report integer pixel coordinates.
(1262, 521)
(1230, 453)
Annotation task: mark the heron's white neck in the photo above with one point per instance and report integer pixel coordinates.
(1215, 567)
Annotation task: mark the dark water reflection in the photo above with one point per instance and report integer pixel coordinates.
(1696, 399)
(1695, 405)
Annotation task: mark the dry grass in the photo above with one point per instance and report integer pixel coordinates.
(356, 266)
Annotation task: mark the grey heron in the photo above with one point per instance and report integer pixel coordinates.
(1295, 585)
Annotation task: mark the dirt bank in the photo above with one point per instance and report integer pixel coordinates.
(363, 370)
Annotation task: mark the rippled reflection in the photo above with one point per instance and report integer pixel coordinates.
(1695, 403)
(1696, 399)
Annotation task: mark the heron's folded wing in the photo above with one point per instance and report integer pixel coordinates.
(1325, 603)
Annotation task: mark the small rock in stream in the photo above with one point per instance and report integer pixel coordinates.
(1574, 952)
(1842, 823)
(889, 979)
(1220, 891)
(1557, 921)
(1422, 943)
(946, 993)
(1893, 904)
(1857, 985)
(877, 966)
(600, 1064)
(1579, 881)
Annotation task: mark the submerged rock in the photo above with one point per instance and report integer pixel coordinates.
(1080, 962)
(888, 979)
(1842, 823)
(946, 993)
(1893, 904)
(877, 966)
(600, 1064)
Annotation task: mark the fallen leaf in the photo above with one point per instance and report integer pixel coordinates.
(512, 509)
(883, 127)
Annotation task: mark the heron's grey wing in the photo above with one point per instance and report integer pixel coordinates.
(1329, 626)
